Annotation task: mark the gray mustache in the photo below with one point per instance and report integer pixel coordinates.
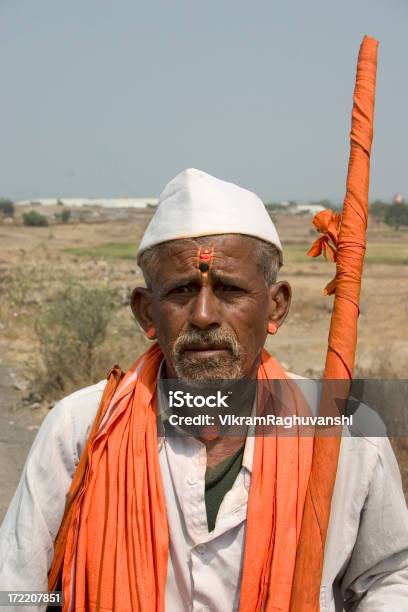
(215, 337)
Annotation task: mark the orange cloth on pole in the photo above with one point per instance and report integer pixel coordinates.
(115, 546)
(349, 238)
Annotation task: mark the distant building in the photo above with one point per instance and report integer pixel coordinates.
(101, 202)
(312, 209)
(398, 199)
(293, 208)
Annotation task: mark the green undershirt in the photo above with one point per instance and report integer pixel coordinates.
(218, 481)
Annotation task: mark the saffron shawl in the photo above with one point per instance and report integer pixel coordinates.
(111, 552)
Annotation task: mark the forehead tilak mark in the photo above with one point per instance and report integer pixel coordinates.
(205, 257)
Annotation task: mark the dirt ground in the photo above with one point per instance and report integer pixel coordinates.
(34, 262)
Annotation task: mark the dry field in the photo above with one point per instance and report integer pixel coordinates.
(36, 262)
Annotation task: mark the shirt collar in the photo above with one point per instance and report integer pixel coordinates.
(162, 416)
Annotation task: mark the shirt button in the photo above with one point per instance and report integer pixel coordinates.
(200, 548)
(192, 480)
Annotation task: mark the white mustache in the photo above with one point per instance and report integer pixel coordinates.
(215, 338)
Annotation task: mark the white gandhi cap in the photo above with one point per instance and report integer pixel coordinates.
(195, 204)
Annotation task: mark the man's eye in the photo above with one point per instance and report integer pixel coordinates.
(184, 289)
(231, 288)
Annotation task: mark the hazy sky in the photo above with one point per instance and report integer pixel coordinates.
(115, 97)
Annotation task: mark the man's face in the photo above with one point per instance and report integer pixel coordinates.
(210, 324)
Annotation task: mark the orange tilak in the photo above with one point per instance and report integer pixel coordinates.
(205, 258)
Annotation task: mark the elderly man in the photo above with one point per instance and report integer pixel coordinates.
(157, 521)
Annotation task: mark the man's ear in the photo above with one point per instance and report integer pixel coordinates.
(141, 305)
(280, 295)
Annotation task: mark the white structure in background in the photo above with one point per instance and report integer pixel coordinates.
(102, 202)
(312, 209)
(398, 199)
(294, 209)
(287, 207)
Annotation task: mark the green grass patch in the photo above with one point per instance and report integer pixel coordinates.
(377, 253)
(107, 250)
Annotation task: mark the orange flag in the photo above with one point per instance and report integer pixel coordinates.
(345, 239)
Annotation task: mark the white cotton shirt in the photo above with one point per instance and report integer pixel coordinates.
(366, 554)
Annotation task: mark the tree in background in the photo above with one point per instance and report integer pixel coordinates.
(378, 209)
(34, 219)
(69, 329)
(64, 216)
(6, 207)
(396, 215)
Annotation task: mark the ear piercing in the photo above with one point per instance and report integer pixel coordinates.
(272, 328)
(151, 332)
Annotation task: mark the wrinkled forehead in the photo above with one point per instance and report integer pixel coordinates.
(223, 254)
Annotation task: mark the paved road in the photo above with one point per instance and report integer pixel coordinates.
(16, 436)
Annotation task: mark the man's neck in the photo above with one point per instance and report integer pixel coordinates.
(223, 446)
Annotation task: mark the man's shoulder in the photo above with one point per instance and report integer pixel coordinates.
(83, 398)
(82, 404)
(70, 420)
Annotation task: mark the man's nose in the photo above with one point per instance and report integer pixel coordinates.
(205, 311)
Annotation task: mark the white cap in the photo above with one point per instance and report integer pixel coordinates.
(196, 204)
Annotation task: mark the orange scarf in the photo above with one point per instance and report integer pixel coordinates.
(112, 546)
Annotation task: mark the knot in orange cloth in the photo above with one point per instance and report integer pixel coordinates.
(351, 248)
(327, 223)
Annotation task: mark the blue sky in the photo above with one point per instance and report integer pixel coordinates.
(113, 98)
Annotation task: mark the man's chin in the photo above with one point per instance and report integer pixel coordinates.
(197, 369)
